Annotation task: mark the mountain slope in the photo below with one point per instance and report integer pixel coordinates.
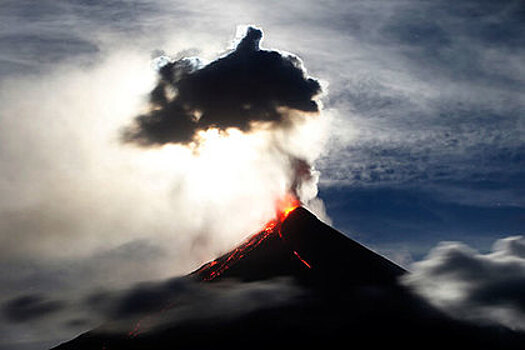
(344, 295)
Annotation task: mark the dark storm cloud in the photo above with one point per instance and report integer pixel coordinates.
(467, 284)
(248, 85)
(30, 307)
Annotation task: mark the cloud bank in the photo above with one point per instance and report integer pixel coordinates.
(146, 307)
(487, 288)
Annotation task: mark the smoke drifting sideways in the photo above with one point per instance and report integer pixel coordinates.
(248, 89)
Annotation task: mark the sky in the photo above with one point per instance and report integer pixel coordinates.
(419, 141)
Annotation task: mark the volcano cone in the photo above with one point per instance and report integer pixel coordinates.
(347, 295)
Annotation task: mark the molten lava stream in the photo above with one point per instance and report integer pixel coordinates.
(285, 206)
(217, 267)
(220, 265)
(302, 260)
(288, 205)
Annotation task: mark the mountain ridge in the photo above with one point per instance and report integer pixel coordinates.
(347, 294)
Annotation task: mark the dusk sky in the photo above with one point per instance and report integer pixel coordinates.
(419, 141)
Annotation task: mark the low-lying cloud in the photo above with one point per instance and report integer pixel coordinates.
(151, 305)
(30, 307)
(487, 288)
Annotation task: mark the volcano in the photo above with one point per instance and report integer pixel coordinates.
(346, 295)
(303, 247)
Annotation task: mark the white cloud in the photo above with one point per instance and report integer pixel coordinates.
(466, 284)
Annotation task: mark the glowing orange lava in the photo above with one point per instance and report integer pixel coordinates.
(216, 268)
(302, 260)
(285, 206)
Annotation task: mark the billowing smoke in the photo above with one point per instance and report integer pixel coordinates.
(242, 89)
(249, 89)
(122, 214)
(488, 288)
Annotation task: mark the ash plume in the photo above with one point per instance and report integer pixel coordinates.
(304, 179)
(249, 89)
(247, 86)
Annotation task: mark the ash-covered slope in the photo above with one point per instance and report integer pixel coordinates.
(343, 295)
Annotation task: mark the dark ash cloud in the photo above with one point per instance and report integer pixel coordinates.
(30, 307)
(246, 86)
(481, 287)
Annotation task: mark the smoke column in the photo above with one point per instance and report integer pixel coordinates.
(253, 90)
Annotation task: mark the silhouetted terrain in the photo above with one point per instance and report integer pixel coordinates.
(336, 293)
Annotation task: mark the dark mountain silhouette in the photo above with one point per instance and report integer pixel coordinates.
(349, 297)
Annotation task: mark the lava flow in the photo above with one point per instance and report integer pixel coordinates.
(214, 269)
(285, 206)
